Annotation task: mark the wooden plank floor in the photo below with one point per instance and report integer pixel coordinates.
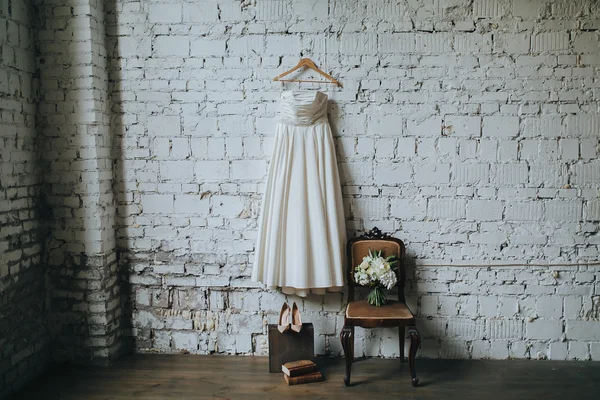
(182, 377)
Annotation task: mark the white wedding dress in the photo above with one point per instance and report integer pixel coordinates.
(302, 234)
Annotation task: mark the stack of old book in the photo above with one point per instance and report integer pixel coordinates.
(301, 371)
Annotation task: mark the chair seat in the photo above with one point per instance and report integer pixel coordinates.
(394, 313)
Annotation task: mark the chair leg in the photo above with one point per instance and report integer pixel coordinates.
(401, 334)
(347, 338)
(415, 343)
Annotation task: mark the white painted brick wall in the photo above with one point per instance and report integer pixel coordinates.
(470, 132)
(24, 333)
(73, 122)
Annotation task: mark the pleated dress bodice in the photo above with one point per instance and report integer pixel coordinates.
(303, 108)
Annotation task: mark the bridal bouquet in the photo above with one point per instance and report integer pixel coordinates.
(378, 273)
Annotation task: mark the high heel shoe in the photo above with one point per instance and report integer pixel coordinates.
(296, 320)
(284, 318)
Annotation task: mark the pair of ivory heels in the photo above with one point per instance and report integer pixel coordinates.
(289, 318)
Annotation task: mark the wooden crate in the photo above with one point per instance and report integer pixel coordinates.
(290, 346)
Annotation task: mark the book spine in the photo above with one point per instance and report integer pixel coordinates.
(305, 379)
(302, 370)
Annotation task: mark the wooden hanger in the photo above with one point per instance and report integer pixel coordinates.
(307, 62)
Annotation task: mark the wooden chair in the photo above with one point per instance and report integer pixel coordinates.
(394, 313)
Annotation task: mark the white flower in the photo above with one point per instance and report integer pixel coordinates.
(377, 264)
(388, 279)
(364, 265)
(375, 270)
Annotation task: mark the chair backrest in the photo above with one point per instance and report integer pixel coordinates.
(359, 247)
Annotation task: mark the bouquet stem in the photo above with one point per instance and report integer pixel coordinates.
(377, 298)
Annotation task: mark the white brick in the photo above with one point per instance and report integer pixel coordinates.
(501, 126)
(271, 10)
(510, 174)
(488, 306)
(370, 208)
(586, 173)
(431, 126)
(386, 125)
(583, 330)
(228, 206)
(489, 239)
(538, 150)
(157, 203)
(550, 41)
(488, 8)
(499, 349)
(507, 150)
(393, 174)
(558, 351)
(200, 12)
(582, 125)
(592, 210)
(523, 211)
(179, 171)
(588, 149)
(546, 126)
(557, 210)
(549, 307)
(463, 126)
(211, 170)
(166, 46)
(397, 42)
(484, 210)
(448, 305)
(191, 204)
(465, 328)
(512, 43)
(446, 208)
(547, 175)
(185, 341)
(468, 174)
(528, 8)
(207, 47)
(284, 44)
(578, 350)
(163, 125)
(433, 43)
(473, 43)
(431, 174)
(507, 306)
(355, 43)
(140, 46)
(595, 351)
(409, 208)
(164, 13)
(544, 329)
(569, 149)
(586, 42)
(246, 45)
(248, 169)
(481, 349)
(429, 305)
(180, 149)
(504, 328)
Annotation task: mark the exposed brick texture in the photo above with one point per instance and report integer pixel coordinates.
(24, 350)
(74, 123)
(467, 128)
